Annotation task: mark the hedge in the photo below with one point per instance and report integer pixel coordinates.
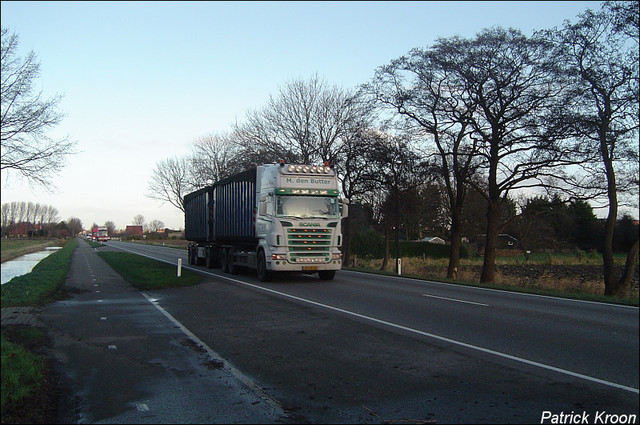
(371, 245)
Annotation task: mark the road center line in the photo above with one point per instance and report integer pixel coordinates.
(453, 299)
(438, 337)
(405, 328)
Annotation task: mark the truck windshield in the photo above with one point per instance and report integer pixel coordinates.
(307, 207)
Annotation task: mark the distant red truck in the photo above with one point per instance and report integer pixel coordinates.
(100, 234)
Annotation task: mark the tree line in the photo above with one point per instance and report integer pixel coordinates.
(36, 220)
(493, 117)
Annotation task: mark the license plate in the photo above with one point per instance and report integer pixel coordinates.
(309, 268)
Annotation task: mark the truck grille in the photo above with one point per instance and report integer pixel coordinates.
(309, 245)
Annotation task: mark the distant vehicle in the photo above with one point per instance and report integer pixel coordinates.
(272, 218)
(103, 234)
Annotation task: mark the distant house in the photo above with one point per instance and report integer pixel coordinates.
(433, 239)
(170, 233)
(177, 234)
(24, 230)
(133, 231)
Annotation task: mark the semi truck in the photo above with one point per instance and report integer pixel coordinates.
(271, 218)
(103, 234)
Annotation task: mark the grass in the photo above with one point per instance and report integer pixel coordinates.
(43, 284)
(559, 275)
(146, 274)
(22, 372)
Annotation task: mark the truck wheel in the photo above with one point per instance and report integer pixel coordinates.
(262, 272)
(190, 256)
(327, 274)
(233, 269)
(224, 261)
(209, 258)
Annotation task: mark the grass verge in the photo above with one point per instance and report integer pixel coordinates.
(146, 274)
(28, 392)
(552, 275)
(44, 283)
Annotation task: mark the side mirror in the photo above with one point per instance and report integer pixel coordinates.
(344, 208)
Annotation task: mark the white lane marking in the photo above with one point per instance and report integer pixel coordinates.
(236, 372)
(441, 338)
(112, 347)
(453, 299)
(480, 288)
(404, 328)
(142, 407)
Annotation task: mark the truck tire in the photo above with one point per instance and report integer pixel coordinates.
(233, 269)
(208, 258)
(198, 261)
(224, 260)
(261, 268)
(327, 274)
(190, 256)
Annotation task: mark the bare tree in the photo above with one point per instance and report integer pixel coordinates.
(307, 122)
(170, 182)
(37, 208)
(5, 217)
(26, 117)
(74, 225)
(155, 225)
(521, 143)
(30, 213)
(600, 54)
(52, 218)
(42, 216)
(425, 94)
(138, 220)
(21, 212)
(354, 172)
(398, 170)
(111, 227)
(215, 157)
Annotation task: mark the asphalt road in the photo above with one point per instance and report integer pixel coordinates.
(372, 349)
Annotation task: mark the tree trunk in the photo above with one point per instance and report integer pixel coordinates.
(454, 255)
(491, 243)
(397, 234)
(608, 269)
(385, 260)
(346, 241)
(609, 273)
(624, 284)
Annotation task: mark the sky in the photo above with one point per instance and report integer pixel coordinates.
(142, 81)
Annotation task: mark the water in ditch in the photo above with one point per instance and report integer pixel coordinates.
(23, 264)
